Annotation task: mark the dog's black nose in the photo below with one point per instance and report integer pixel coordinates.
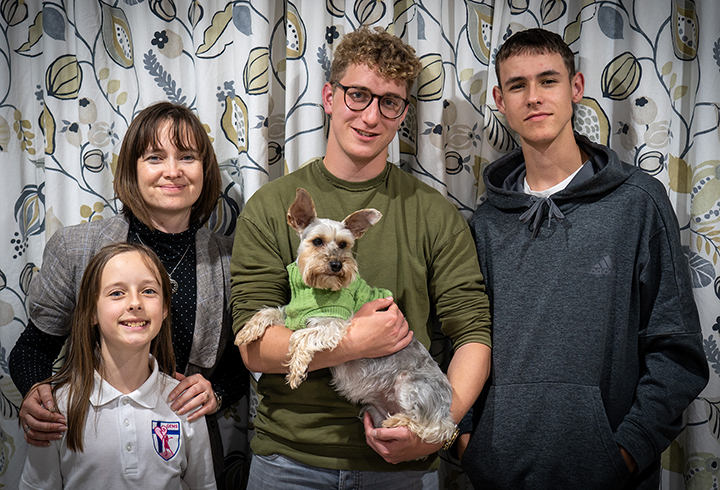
(335, 266)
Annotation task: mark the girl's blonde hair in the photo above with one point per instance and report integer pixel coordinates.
(83, 352)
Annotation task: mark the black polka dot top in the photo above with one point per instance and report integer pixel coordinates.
(177, 253)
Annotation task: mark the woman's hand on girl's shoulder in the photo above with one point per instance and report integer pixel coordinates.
(193, 394)
(39, 418)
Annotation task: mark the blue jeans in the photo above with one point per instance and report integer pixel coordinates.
(276, 472)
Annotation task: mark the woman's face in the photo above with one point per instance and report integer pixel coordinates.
(170, 181)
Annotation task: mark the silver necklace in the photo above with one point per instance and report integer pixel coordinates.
(173, 282)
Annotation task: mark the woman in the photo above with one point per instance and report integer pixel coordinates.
(168, 180)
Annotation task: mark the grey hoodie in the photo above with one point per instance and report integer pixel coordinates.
(596, 336)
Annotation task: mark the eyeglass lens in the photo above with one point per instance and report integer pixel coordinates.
(358, 99)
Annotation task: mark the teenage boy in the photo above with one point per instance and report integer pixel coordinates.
(597, 342)
(421, 250)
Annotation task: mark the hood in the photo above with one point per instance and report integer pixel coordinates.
(504, 183)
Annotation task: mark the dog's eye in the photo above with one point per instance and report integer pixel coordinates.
(342, 245)
(317, 242)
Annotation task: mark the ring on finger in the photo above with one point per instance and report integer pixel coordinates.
(26, 429)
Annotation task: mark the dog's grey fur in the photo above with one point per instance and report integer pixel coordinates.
(403, 389)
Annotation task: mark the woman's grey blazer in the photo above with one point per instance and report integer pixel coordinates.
(54, 289)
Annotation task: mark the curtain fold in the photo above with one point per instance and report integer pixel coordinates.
(73, 73)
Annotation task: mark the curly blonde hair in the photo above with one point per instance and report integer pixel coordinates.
(379, 50)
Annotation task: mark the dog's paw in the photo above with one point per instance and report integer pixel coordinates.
(294, 379)
(439, 431)
(242, 338)
(255, 328)
(249, 333)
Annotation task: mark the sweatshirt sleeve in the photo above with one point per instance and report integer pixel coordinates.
(457, 286)
(673, 368)
(259, 278)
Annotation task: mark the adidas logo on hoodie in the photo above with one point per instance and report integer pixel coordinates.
(602, 268)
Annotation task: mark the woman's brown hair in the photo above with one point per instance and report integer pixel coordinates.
(186, 133)
(83, 353)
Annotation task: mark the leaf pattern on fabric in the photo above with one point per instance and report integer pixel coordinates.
(621, 77)
(212, 34)
(702, 271)
(29, 210)
(196, 12)
(611, 22)
(552, 10)
(4, 134)
(235, 122)
(241, 19)
(254, 71)
(117, 36)
(295, 32)
(590, 119)
(163, 78)
(53, 22)
(47, 125)
(479, 30)
(163, 9)
(64, 78)
(34, 34)
(431, 82)
(13, 11)
(685, 28)
(499, 135)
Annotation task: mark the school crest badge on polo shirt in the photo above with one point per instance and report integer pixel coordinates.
(166, 438)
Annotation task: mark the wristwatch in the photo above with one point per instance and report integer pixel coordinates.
(448, 444)
(218, 399)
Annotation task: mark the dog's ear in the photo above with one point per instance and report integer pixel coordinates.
(360, 221)
(302, 212)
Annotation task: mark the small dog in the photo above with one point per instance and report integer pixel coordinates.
(403, 389)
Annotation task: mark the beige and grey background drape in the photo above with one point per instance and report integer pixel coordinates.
(74, 72)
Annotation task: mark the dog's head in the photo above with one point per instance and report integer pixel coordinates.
(325, 256)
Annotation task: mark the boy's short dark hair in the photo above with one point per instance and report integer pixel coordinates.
(534, 41)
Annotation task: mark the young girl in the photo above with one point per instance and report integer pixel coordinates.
(114, 385)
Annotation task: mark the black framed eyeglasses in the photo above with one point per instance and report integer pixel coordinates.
(358, 99)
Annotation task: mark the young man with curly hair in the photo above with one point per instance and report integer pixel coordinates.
(421, 250)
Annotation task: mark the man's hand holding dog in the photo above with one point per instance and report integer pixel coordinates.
(396, 444)
(378, 329)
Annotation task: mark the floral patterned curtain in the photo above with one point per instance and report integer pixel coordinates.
(73, 73)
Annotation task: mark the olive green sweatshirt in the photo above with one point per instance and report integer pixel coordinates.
(421, 250)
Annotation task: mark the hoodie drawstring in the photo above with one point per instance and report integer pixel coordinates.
(536, 212)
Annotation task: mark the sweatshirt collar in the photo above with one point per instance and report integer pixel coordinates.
(354, 186)
(503, 178)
